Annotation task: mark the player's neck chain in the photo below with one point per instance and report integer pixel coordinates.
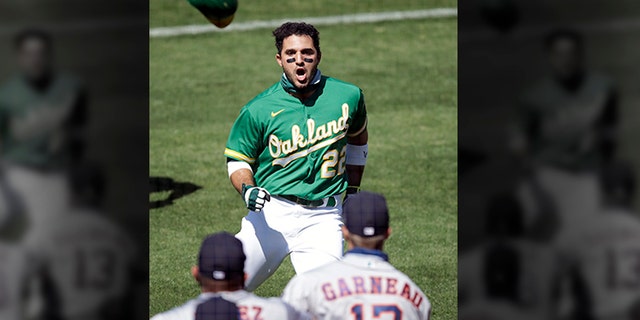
(290, 88)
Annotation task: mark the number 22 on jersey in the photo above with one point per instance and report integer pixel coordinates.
(331, 159)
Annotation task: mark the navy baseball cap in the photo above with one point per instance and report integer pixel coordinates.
(366, 214)
(221, 257)
(217, 309)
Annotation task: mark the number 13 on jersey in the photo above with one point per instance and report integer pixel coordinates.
(360, 311)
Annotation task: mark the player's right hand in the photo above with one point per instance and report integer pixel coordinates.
(255, 197)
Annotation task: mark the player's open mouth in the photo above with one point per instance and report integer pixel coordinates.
(301, 75)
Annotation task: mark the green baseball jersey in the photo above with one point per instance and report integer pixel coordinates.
(298, 147)
(565, 128)
(35, 126)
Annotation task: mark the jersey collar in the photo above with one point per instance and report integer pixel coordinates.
(372, 252)
(290, 88)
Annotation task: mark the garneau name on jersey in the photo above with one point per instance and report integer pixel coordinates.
(322, 132)
(345, 287)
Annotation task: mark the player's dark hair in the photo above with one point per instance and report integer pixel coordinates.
(32, 33)
(564, 34)
(299, 29)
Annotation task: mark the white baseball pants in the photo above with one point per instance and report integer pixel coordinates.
(312, 235)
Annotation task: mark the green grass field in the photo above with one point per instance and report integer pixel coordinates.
(174, 13)
(408, 73)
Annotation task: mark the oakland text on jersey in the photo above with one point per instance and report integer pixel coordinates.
(348, 286)
(299, 141)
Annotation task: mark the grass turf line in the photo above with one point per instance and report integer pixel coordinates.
(164, 13)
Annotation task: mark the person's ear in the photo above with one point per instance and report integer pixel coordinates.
(278, 58)
(195, 272)
(345, 233)
(388, 234)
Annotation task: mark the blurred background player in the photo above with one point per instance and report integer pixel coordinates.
(17, 272)
(89, 263)
(220, 273)
(217, 308)
(291, 153)
(363, 285)
(508, 273)
(602, 254)
(42, 114)
(566, 130)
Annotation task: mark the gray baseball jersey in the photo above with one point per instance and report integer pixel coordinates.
(15, 269)
(361, 286)
(606, 250)
(495, 310)
(536, 267)
(90, 260)
(251, 307)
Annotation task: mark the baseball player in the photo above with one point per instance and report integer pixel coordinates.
(220, 273)
(508, 269)
(364, 285)
(88, 261)
(42, 113)
(602, 253)
(217, 308)
(292, 151)
(566, 128)
(16, 270)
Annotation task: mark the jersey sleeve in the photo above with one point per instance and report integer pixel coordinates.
(245, 138)
(425, 308)
(296, 295)
(359, 122)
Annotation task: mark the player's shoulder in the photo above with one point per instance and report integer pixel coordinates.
(269, 307)
(267, 96)
(318, 273)
(10, 87)
(337, 84)
(600, 78)
(247, 297)
(69, 80)
(276, 308)
(184, 311)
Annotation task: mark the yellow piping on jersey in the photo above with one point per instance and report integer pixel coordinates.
(364, 126)
(300, 154)
(239, 156)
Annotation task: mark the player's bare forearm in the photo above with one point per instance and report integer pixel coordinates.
(240, 177)
(355, 173)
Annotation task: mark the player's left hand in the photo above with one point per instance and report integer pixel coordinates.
(255, 197)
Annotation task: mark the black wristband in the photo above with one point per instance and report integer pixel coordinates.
(353, 189)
